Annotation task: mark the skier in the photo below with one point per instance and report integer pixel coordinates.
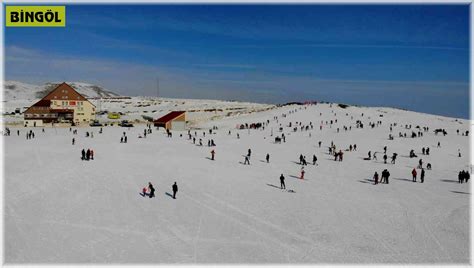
(385, 159)
(422, 175)
(152, 190)
(73, 141)
(420, 163)
(413, 173)
(125, 139)
(212, 154)
(268, 158)
(249, 153)
(315, 159)
(282, 182)
(302, 174)
(88, 154)
(319, 143)
(175, 190)
(83, 154)
(92, 154)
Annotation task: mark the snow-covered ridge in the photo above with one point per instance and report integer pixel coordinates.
(15, 90)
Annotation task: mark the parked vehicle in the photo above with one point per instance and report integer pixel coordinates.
(125, 123)
(95, 123)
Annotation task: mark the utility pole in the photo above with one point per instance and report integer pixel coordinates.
(157, 87)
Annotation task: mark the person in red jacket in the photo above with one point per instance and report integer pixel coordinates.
(413, 172)
(302, 174)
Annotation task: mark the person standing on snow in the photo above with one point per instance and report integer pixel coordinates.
(152, 190)
(315, 159)
(246, 161)
(212, 154)
(175, 190)
(413, 173)
(282, 182)
(394, 157)
(422, 175)
(268, 158)
(92, 154)
(376, 178)
(73, 141)
(302, 174)
(83, 154)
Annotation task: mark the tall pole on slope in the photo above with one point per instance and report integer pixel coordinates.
(157, 87)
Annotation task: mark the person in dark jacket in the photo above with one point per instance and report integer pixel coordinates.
(282, 182)
(152, 190)
(268, 158)
(83, 154)
(376, 178)
(422, 175)
(175, 190)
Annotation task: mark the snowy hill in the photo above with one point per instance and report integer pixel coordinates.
(14, 90)
(59, 209)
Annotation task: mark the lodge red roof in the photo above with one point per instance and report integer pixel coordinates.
(169, 116)
(43, 103)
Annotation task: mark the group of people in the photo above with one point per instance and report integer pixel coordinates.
(30, 135)
(87, 155)
(463, 176)
(150, 191)
(384, 177)
(414, 174)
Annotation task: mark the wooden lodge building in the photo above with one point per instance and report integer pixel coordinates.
(62, 104)
(172, 121)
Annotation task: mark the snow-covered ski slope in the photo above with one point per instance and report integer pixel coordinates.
(59, 209)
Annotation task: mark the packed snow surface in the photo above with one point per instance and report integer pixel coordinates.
(59, 209)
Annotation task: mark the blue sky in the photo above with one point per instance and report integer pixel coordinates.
(407, 56)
